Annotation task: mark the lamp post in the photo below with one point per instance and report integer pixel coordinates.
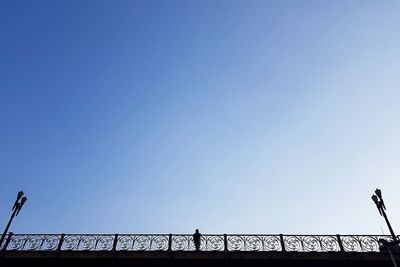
(381, 208)
(19, 202)
(378, 200)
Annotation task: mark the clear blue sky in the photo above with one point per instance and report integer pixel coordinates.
(229, 116)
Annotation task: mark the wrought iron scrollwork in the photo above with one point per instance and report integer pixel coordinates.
(88, 242)
(361, 243)
(163, 242)
(142, 243)
(272, 243)
(212, 243)
(254, 243)
(34, 242)
(312, 243)
(183, 243)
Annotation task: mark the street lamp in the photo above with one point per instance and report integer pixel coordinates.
(378, 200)
(381, 208)
(19, 202)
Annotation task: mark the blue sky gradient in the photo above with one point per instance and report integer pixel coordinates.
(228, 116)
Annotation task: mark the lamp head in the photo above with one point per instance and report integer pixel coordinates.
(23, 200)
(19, 206)
(375, 199)
(378, 192)
(20, 194)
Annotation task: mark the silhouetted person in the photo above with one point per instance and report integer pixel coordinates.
(197, 239)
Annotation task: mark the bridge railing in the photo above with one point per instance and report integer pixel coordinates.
(184, 242)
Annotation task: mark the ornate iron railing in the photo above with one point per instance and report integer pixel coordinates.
(169, 242)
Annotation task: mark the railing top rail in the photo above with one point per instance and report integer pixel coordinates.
(185, 234)
(204, 234)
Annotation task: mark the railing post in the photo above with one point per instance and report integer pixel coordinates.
(10, 234)
(282, 243)
(114, 247)
(60, 242)
(340, 243)
(225, 243)
(169, 242)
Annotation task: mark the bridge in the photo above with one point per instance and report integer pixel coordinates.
(179, 250)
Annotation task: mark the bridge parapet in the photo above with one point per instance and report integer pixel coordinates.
(184, 242)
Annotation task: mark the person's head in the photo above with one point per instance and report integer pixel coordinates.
(197, 230)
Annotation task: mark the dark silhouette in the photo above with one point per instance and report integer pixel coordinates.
(381, 208)
(197, 240)
(19, 202)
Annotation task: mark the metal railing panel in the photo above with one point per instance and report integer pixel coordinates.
(184, 242)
